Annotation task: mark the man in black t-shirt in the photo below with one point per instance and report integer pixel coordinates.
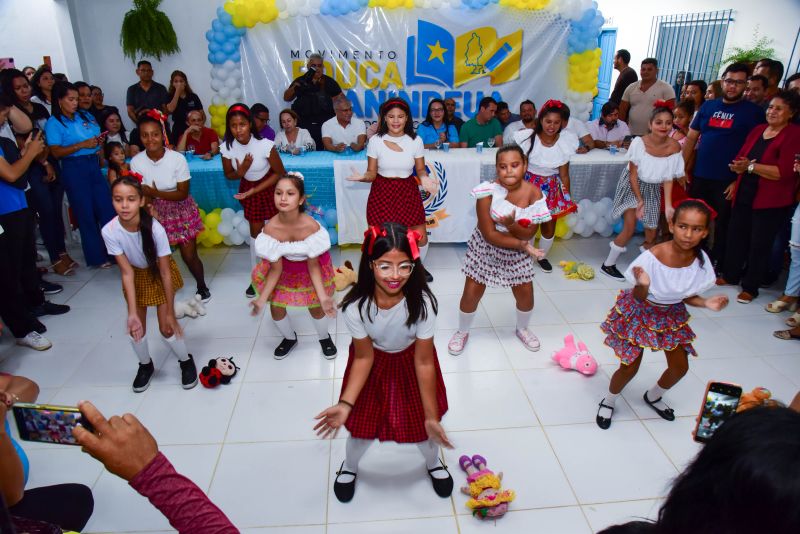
(146, 94)
(627, 75)
(313, 94)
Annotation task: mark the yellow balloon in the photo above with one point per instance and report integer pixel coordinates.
(561, 227)
(212, 220)
(216, 238)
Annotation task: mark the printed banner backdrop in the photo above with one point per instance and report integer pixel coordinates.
(419, 54)
(450, 213)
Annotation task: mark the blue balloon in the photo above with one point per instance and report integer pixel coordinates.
(334, 235)
(228, 47)
(212, 57)
(230, 31)
(214, 46)
(220, 11)
(220, 37)
(236, 57)
(216, 25)
(331, 219)
(210, 35)
(639, 227)
(618, 226)
(241, 31)
(219, 57)
(224, 17)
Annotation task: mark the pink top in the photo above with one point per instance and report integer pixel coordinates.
(185, 505)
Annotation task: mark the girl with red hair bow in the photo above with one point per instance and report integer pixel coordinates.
(392, 388)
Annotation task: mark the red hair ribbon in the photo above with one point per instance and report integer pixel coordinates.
(699, 201)
(240, 109)
(664, 104)
(370, 235)
(135, 175)
(553, 104)
(160, 117)
(413, 238)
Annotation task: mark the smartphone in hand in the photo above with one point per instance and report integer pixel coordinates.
(47, 423)
(719, 404)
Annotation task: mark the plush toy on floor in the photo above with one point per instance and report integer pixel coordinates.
(577, 358)
(344, 276)
(487, 500)
(758, 397)
(576, 270)
(190, 308)
(218, 371)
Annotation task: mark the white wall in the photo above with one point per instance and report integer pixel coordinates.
(778, 21)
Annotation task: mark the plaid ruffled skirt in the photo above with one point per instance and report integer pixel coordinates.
(149, 289)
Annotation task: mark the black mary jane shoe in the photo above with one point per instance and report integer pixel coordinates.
(666, 413)
(442, 486)
(604, 422)
(344, 491)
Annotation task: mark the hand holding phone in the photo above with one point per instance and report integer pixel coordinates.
(719, 404)
(48, 423)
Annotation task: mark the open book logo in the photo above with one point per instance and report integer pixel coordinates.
(435, 57)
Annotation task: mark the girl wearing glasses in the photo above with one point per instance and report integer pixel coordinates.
(295, 268)
(393, 388)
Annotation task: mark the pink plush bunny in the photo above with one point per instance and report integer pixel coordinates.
(578, 358)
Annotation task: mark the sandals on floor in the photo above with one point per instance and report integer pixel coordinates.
(794, 320)
(667, 413)
(779, 305)
(785, 334)
(604, 422)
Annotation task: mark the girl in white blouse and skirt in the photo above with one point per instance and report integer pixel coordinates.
(295, 270)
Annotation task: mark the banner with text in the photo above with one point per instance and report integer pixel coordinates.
(450, 212)
(419, 54)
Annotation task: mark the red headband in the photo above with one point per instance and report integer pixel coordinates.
(160, 117)
(664, 104)
(135, 175)
(370, 235)
(553, 104)
(240, 109)
(400, 102)
(699, 201)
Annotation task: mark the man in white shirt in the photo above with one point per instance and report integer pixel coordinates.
(608, 130)
(527, 112)
(578, 128)
(638, 98)
(343, 131)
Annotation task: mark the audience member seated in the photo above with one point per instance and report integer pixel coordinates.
(450, 107)
(181, 100)
(714, 90)
(127, 449)
(504, 115)
(29, 72)
(527, 113)
(435, 129)
(99, 109)
(146, 94)
(111, 122)
(483, 126)
(578, 128)
(85, 98)
(292, 139)
(772, 70)
(69, 506)
(793, 82)
(756, 91)
(608, 129)
(204, 141)
(744, 480)
(627, 75)
(639, 97)
(261, 119)
(344, 131)
(42, 85)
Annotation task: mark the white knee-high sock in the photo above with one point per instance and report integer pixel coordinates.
(655, 395)
(321, 326)
(178, 346)
(609, 400)
(465, 321)
(614, 254)
(423, 251)
(430, 451)
(523, 319)
(253, 257)
(354, 451)
(285, 327)
(546, 244)
(141, 349)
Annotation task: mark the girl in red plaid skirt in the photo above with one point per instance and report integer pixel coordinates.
(256, 164)
(393, 155)
(392, 388)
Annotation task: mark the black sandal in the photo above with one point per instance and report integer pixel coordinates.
(604, 422)
(442, 486)
(344, 491)
(666, 413)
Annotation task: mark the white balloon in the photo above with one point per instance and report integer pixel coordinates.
(579, 227)
(584, 205)
(224, 228)
(237, 238)
(243, 227)
(236, 219)
(216, 84)
(605, 230)
(229, 65)
(231, 82)
(223, 91)
(236, 73)
(227, 240)
(571, 220)
(235, 93)
(569, 234)
(315, 4)
(306, 11)
(217, 100)
(589, 218)
(587, 232)
(240, 213)
(292, 9)
(280, 4)
(283, 15)
(227, 214)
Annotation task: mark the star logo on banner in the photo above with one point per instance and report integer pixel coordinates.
(437, 52)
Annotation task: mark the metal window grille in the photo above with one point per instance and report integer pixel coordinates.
(689, 46)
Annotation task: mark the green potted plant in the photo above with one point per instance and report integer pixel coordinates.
(146, 31)
(758, 49)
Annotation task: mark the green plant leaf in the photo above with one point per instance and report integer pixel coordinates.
(146, 31)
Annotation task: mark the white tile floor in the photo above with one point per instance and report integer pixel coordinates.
(250, 444)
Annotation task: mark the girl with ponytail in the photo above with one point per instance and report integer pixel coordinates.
(150, 277)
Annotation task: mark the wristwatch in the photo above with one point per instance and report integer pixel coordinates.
(751, 167)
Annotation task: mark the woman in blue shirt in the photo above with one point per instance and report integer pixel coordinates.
(74, 138)
(435, 127)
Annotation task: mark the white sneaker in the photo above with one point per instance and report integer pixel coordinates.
(457, 343)
(35, 341)
(528, 339)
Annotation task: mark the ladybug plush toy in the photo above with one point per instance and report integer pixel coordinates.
(218, 371)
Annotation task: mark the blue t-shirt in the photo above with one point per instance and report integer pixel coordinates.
(723, 128)
(68, 132)
(11, 198)
(429, 134)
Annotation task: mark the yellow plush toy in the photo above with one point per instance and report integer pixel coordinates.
(344, 276)
(576, 270)
(758, 397)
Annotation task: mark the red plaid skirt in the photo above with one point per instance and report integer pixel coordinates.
(389, 406)
(395, 200)
(261, 206)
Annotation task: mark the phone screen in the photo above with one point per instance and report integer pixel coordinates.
(48, 424)
(718, 407)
